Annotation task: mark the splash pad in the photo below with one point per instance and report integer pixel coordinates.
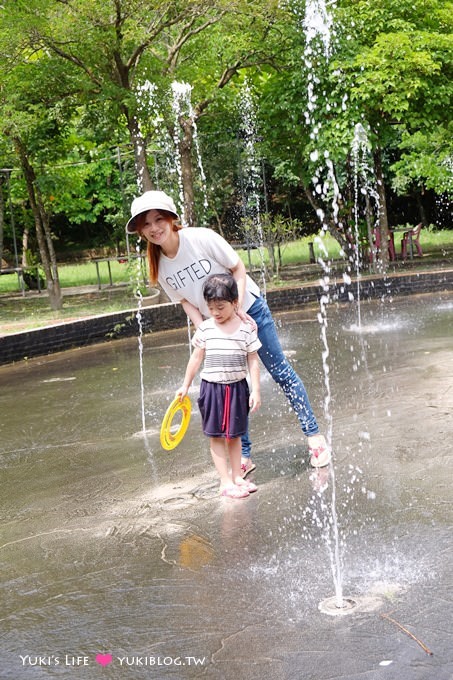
(94, 521)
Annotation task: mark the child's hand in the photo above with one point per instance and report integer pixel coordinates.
(181, 393)
(254, 401)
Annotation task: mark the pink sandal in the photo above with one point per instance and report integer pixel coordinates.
(234, 491)
(249, 486)
(247, 468)
(321, 455)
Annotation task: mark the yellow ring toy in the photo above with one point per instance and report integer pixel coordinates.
(168, 439)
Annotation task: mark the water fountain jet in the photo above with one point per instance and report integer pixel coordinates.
(331, 606)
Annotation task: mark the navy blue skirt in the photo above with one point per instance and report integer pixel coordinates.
(224, 408)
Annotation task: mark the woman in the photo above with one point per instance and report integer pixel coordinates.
(180, 259)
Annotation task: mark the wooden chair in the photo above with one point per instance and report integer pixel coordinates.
(412, 236)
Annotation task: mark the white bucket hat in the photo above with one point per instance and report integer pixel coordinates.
(150, 200)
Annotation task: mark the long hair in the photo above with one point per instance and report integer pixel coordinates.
(152, 251)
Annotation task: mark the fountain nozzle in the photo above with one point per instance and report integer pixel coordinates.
(333, 607)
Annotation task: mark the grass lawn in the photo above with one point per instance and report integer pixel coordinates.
(297, 252)
(19, 312)
(86, 274)
(32, 311)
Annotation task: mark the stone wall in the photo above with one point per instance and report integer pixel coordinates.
(56, 338)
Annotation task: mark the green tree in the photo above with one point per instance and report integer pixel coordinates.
(33, 121)
(118, 46)
(389, 69)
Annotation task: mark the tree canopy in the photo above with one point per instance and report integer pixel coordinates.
(100, 100)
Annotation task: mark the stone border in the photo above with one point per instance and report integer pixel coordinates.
(167, 316)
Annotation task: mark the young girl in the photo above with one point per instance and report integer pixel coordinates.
(229, 349)
(181, 259)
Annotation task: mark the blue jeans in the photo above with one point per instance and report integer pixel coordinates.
(271, 354)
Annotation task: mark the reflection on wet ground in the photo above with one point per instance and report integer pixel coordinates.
(118, 557)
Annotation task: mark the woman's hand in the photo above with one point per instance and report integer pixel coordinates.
(246, 318)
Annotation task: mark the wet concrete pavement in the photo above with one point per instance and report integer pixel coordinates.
(119, 560)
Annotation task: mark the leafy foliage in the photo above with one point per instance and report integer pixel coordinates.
(88, 84)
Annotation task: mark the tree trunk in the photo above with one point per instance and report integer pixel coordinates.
(43, 233)
(383, 224)
(270, 245)
(219, 221)
(185, 151)
(144, 181)
(2, 218)
(328, 223)
(421, 209)
(25, 236)
(371, 256)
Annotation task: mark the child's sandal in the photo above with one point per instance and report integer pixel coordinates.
(234, 491)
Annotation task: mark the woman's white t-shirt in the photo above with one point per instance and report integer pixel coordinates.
(201, 252)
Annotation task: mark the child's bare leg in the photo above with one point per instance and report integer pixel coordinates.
(220, 458)
(234, 447)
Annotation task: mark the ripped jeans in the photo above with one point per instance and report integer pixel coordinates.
(273, 358)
